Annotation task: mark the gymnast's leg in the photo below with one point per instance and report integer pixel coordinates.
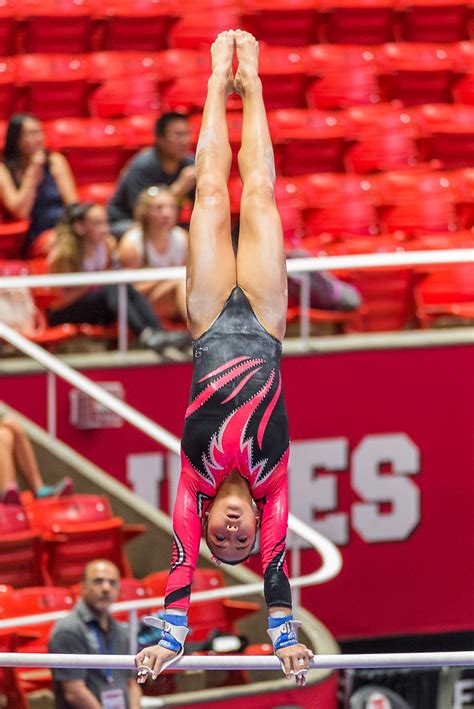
(261, 265)
(211, 271)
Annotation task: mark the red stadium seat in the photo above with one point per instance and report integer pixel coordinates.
(446, 293)
(126, 96)
(428, 214)
(463, 91)
(138, 131)
(12, 235)
(12, 519)
(447, 131)
(50, 512)
(462, 183)
(323, 58)
(51, 26)
(433, 20)
(8, 85)
(8, 27)
(53, 85)
(137, 24)
(34, 601)
(199, 29)
(357, 21)
(97, 192)
(352, 215)
(93, 147)
(464, 56)
(21, 559)
(104, 66)
(364, 121)
(320, 189)
(307, 141)
(283, 75)
(416, 72)
(176, 63)
(71, 546)
(387, 297)
(344, 87)
(405, 186)
(282, 22)
(382, 151)
(186, 94)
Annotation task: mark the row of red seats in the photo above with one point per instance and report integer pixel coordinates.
(49, 541)
(360, 139)
(317, 76)
(34, 26)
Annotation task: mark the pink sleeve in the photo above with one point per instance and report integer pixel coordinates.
(186, 539)
(273, 538)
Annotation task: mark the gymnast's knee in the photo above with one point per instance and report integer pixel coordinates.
(211, 189)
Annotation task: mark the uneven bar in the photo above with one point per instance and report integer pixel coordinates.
(241, 662)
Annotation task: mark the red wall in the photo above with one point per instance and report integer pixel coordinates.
(382, 458)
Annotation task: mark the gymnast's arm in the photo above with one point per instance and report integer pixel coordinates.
(294, 656)
(174, 622)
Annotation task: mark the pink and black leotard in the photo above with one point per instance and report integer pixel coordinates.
(236, 418)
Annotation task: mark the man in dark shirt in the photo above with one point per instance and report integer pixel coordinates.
(90, 629)
(169, 161)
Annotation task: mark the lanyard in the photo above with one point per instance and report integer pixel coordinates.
(104, 648)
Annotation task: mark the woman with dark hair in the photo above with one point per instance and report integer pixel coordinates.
(35, 183)
(235, 445)
(83, 243)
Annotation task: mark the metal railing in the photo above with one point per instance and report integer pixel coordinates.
(301, 266)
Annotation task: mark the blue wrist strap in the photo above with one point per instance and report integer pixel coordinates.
(173, 628)
(282, 631)
(167, 639)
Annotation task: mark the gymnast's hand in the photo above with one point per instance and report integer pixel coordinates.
(295, 661)
(149, 661)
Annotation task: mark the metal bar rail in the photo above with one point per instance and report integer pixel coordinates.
(297, 265)
(241, 662)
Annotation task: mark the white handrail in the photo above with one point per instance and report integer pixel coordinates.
(242, 662)
(329, 553)
(296, 265)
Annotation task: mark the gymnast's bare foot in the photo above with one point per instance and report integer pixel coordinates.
(222, 52)
(247, 55)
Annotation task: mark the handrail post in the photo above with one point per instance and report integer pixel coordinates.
(122, 318)
(51, 403)
(133, 630)
(305, 304)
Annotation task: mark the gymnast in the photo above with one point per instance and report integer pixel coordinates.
(235, 446)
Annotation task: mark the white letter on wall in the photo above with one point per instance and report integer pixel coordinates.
(403, 494)
(145, 472)
(310, 492)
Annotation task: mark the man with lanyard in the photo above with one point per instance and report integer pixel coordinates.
(90, 629)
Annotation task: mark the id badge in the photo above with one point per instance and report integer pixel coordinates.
(112, 699)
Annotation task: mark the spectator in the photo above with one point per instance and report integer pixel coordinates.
(90, 629)
(157, 241)
(35, 183)
(327, 292)
(169, 161)
(17, 454)
(83, 243)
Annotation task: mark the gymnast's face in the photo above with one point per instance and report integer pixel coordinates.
(231, 528)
